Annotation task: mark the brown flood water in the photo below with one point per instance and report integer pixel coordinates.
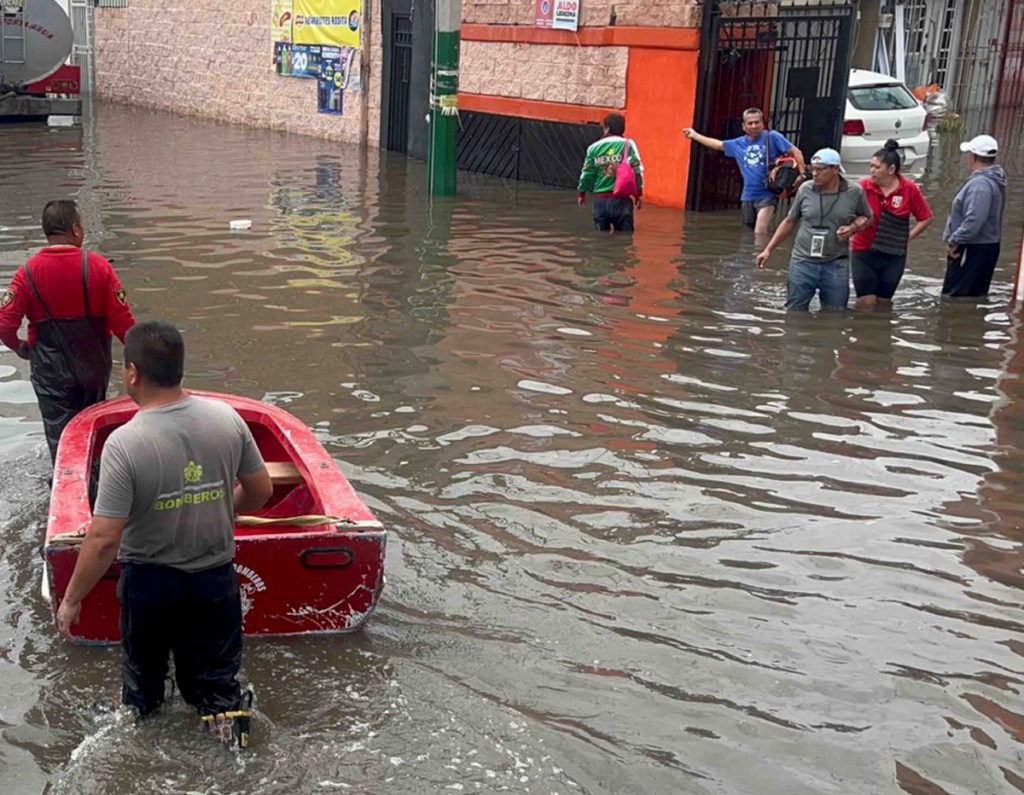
(649, 534)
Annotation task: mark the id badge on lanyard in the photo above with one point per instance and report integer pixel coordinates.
(818, 235)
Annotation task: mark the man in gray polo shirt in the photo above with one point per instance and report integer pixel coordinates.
(825, 213)
(167, 500)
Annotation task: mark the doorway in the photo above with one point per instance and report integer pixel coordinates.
(398, 90)
(408, 38)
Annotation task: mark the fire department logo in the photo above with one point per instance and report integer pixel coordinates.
(6, 298)
(122, 296)
(193, 472)
(897, 202)
(249, 584)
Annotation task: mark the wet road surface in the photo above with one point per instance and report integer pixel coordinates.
(649, 534)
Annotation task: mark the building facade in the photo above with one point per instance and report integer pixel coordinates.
(633, 56)
(972, 49)
(531, 97)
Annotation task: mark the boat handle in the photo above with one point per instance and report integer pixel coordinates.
(329, 558)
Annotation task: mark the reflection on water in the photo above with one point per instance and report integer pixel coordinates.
(650, 534)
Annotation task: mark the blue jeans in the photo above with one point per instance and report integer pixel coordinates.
(831, 278)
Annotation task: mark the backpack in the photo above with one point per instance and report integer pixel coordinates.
(625, 176)
(782, 173)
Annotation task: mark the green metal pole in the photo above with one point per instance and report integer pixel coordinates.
(444, 98)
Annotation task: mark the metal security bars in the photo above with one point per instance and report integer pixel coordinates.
(791, 61)
(931, 30)
(398, 93)
(546, 152)
(989, 57)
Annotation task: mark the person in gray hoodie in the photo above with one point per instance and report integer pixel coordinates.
(975, 225)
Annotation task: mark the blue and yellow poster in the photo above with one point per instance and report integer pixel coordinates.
(330, 23)
(331, 86)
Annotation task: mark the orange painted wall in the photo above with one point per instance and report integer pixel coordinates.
(661, 94)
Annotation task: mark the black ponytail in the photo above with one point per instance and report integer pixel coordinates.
(890, 155)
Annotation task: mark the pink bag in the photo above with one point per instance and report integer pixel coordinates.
(625, 176)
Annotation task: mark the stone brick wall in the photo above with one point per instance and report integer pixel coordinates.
(215, 59)
(576, 75)
(652, 13)
(212, 59)
(373, 53)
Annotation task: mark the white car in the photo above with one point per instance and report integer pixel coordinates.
(879, 107)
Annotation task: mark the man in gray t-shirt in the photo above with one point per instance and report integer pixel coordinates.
(825, 214)
(169, 474)
(166, 508)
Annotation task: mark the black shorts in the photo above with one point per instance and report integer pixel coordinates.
(876, 273)
(969, 273)
(750, 209)
(197, 617)
(611, 213)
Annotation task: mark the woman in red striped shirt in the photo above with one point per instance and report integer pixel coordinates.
(879, 253)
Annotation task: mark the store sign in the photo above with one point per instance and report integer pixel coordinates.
(567, 15)
(330, 23)
(545, 13)
(558, 14)
(281, 13)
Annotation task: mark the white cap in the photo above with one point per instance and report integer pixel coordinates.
(981, 145)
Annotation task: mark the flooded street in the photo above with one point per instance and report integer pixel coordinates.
(648, 533)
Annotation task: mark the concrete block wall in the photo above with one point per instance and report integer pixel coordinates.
(573, 75)
(373, 52)
(598, 13)
(215, 60)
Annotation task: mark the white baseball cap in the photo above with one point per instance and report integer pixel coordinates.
(981, 145)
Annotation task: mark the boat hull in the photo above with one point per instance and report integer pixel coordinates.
(293, 579)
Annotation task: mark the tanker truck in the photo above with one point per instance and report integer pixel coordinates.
(35, 80)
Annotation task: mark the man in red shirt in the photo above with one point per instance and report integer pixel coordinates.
(74, 302)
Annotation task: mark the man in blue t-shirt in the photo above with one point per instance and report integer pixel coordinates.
(750, 153)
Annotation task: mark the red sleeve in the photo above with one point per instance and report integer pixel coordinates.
(119, 313)
(919, 204)
(12, 311)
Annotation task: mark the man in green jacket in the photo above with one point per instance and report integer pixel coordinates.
(611, 213)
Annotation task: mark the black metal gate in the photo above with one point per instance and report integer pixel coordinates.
(547, 152)
(791, 61)
(398, 90)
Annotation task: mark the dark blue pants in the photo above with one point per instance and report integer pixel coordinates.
(611, 213)
(197, 617)
(969, 273)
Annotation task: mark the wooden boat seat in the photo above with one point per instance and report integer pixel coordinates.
(284, 473)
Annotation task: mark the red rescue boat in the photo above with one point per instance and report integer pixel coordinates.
(312, 560)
